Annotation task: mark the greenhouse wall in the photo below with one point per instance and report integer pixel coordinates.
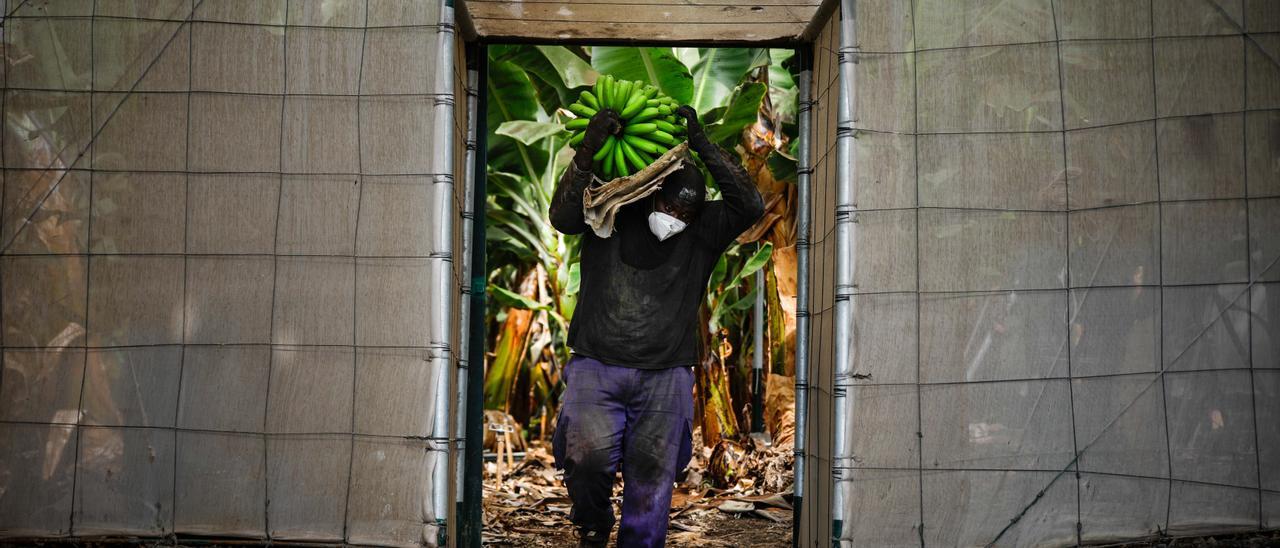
(221, 232)
(815, 517)
(225, 235)
(1065, 297)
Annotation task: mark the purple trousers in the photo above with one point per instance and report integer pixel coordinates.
(640, 418)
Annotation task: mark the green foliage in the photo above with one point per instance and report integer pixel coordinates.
(655, 66)
(511, 97)
(572, 70)
(552, 70)
(741, 111)
(783, 92)
(717, 70)
(507, 298)
(729, 301)
(536, 276)
(527, 132)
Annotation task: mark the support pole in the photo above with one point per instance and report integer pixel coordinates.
(465, 309)
(441, 321)
(803, 243)
(473, 484)
(846, 242)
(757, 356)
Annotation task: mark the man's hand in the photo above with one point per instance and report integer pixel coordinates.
(693, 128)
(602, 125)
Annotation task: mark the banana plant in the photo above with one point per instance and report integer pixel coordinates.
(534, 286)
(535, 279)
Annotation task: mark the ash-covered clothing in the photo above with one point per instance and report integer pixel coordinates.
(639, 418)
(639, 299)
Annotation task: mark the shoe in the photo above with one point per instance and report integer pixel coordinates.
(592, 539)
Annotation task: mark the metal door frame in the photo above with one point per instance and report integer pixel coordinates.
(469, 473)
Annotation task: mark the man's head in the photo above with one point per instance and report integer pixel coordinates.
(681, 194)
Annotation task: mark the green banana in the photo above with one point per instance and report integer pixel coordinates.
(632, 156)
(582, 110)
(644, 116)
(606, 92)
(639, 129)
(649, 125)
(606, 165)
(644, 156)
(604, 149)
(590, 100)
(634, 106)
(623, 95)
(662, 137)
(620, 161)
(666, 126)
(642, 144)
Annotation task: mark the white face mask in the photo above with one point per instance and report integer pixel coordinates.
(664, 226)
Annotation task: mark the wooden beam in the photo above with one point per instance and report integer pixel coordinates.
(635, 33)
(664, 3)
(589, 13)
(466, 27)
(819, 20)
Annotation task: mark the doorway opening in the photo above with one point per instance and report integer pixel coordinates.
(737, 489)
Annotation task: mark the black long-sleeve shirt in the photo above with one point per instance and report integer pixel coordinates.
(639, 298)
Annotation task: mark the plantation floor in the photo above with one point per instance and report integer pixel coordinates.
(528, 505)
(717, 530)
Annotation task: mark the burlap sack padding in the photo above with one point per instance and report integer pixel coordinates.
(600, 204)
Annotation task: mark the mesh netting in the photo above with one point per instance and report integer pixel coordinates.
(1065, 230)
(218, 253)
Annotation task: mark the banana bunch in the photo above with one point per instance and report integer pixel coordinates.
(649, 126)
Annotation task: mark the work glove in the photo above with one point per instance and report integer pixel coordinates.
(604, 123)
(693, 129)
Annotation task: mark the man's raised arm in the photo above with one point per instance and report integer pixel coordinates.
(566, 203)
(743, 205)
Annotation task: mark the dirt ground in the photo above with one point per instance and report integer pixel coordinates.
(715, 530)
(527, 506)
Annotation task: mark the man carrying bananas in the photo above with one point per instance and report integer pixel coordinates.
(636, 335)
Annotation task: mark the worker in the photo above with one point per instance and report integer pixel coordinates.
(636, 334)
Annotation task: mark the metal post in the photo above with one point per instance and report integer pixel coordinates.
(473, 484)
(846, 219)
(464, 306)
(757, 356)
(803, 229)
(441, 270)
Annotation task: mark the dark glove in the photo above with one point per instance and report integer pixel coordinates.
(602, 125)
(693, 129)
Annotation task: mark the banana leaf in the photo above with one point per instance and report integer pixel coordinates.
(782, 168)
(573, 71)
(510, 349)
(718, 70)
(553, 70)
(575, 279)
(511, 97)
(528, 132)
(729, 303)
(744, 106)
(510, 299)
(657, 66)
(756, 262)
(499, 239)
(779, 71)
